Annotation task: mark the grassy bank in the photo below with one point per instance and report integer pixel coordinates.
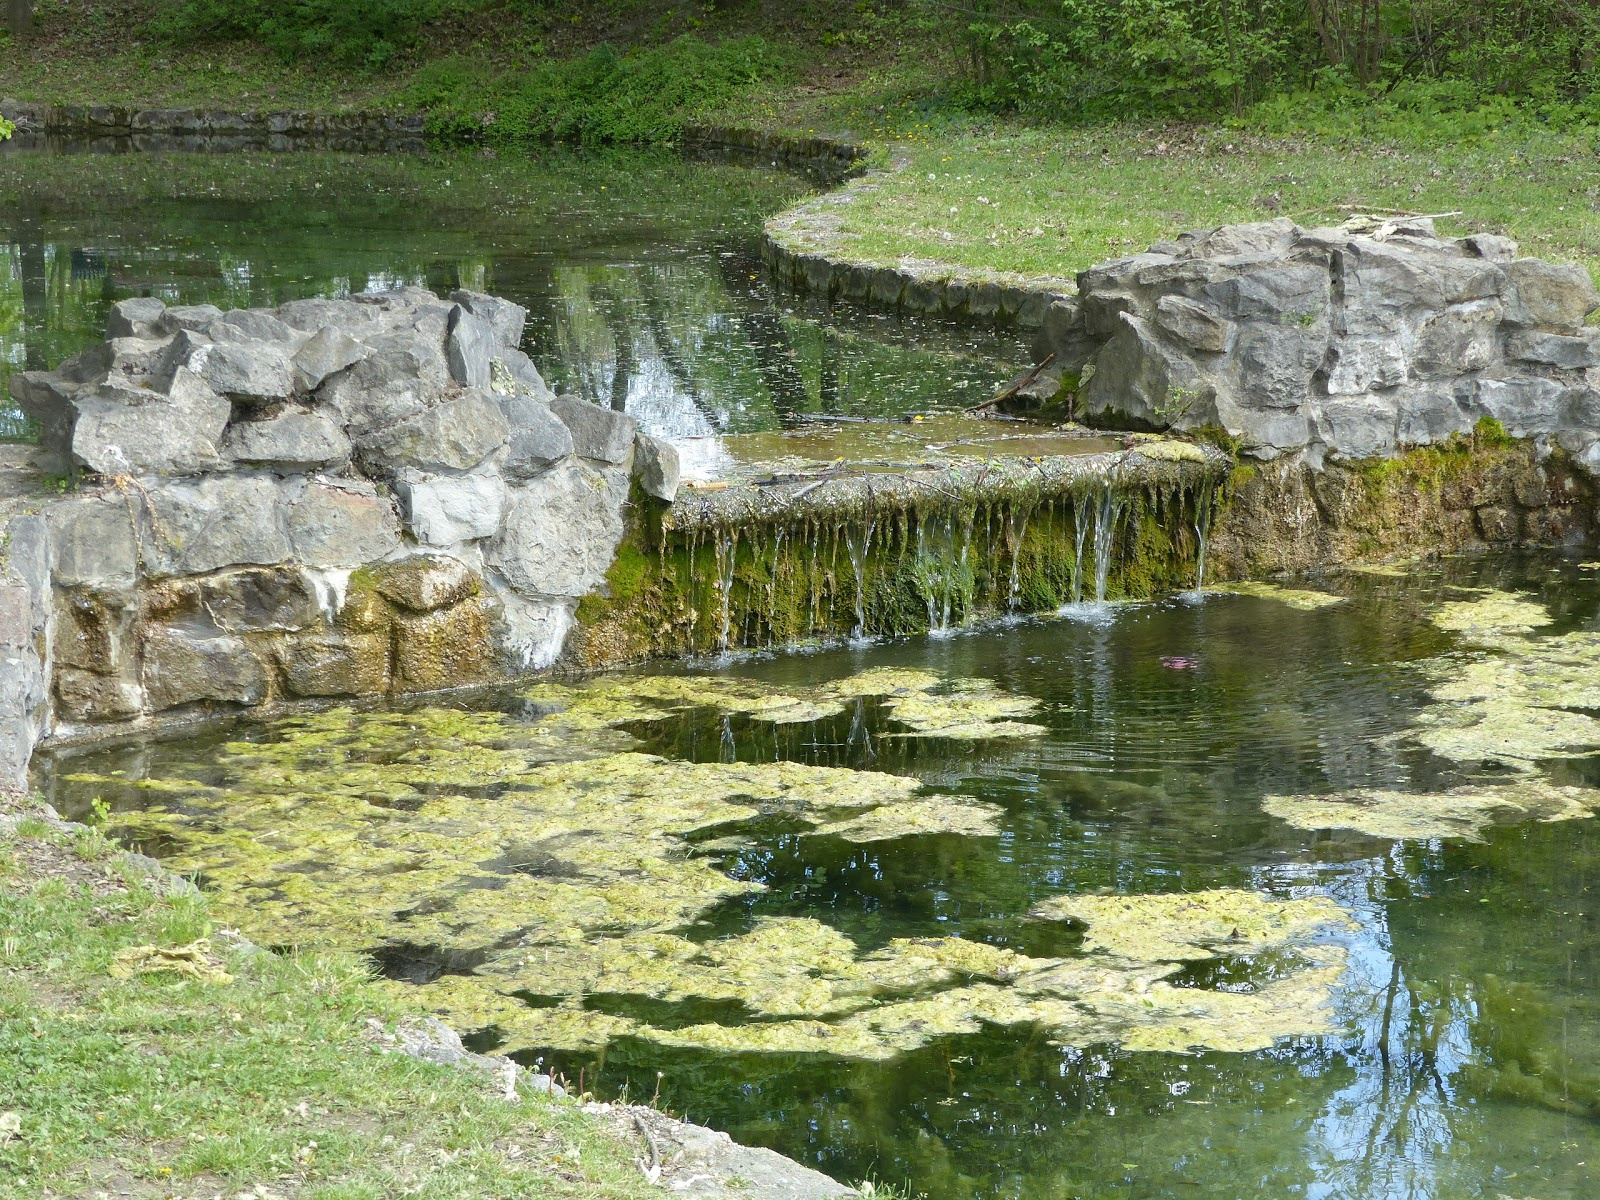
(274, 1083)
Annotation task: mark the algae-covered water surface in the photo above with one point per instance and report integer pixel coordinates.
(1216, 897)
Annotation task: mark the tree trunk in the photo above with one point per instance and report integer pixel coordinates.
(21, 14)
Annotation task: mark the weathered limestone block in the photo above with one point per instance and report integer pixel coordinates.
(532, 632)
(341, 524)
(329, 351)
(196, 318)
(337, 664)
(1555, 350)
(1544, 295)
(218, 521)
(470, 348)
(1461, 338)
(1384, 288)
(1138, 378)
(245, 326)
(1361, 365)
(1525, 404)
(136, 317)
(1198, 327)
(293, 439)
(506, 320)
(425, 582)
(250, 371)
(182, 668)
(1429, 413)
(444, 510)
(253, 600)
(656, 467)
(94, 629)
(92, 540)
(24, 670)
(86, 696)
(598, 434)
(397, 380)
(561, 531)
(315, 314)
(133, 431)
(456, 434)
(47, 399)
(524, 376)
(539, 439)
(451, 647)
(1360, 426)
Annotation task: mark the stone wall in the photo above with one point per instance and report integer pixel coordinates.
(104, 126)
(1347, 343)
(333, 498)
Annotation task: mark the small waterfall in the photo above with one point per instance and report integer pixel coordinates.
(925, 578)
(858, 543)
(727, 553)
(1080, 529)
(1105, 530)
(1016, 532)
(1202, 530)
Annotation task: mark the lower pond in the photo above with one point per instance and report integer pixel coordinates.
(640, 271)
(1294, 892)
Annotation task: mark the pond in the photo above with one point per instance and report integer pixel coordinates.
(868, 904)
(640, 272)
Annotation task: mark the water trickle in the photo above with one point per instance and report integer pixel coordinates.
(727, 553)
(858, 542)
(1202, 530)
(1080, 530)
(1016, 531)
(1105, 529)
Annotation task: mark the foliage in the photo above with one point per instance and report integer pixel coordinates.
(607, 95)
(1074, 58)
(368, 35)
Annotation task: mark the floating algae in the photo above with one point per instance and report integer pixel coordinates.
(1184, 926)
(1462, 812)
(555, 899)
(926, 704)
(1294, 597)
(1513, 704)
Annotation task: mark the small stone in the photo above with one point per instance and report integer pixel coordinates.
(655, 466)
(425, 582)
(443, 510)
(539, 438)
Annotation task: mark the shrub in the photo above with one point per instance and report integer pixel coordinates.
(367, 34)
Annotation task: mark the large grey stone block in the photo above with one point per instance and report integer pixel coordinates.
(292, 440)
(341, 524)
(182, 668)
(443, 510)
(470, 348)
(560, 532)
(600, 434)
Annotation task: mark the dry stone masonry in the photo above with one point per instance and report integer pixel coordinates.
(1351, 342)
(331, 498)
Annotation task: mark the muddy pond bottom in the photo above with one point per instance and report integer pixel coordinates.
(1293, 891)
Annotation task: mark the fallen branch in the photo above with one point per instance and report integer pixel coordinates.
(1016, 386)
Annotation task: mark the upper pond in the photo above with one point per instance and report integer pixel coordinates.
(1290, 893)
(640, 272)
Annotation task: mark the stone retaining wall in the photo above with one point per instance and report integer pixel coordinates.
(332, 498)
(109, 126)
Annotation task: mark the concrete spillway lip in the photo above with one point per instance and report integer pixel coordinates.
(1010, 467)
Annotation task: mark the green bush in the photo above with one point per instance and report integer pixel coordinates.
(366, 34)
(645, 96)
(1096, 58)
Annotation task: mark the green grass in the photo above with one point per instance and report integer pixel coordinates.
(985, 199)
(157, 1085)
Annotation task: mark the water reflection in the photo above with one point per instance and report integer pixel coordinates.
(1468, 1066)
(639, 271)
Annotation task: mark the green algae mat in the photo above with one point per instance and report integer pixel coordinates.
(1298, 885)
